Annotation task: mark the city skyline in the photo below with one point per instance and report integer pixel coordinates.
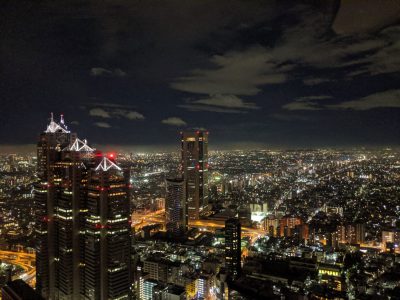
(175, 147)
(104, 225)
(293, 74)
(200, 150)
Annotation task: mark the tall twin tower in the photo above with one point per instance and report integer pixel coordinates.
(83, 232)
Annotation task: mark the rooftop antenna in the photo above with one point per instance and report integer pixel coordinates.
(51, 117)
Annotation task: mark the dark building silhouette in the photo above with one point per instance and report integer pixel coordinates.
(19, 290)
(233, 252)
(176, 216)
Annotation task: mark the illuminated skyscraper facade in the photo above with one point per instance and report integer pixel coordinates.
(194, 149)
(107, 240)
(233, 252)
(77, 186)
(175, 207)
(49, 151)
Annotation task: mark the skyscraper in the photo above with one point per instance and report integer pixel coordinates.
(233, 252)
(80, 209)
(51, 142)
(175, 207)
(107, 240)
(195, 170)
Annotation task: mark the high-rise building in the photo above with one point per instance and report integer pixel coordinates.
(233, 251)
(341, 233)
(82, 220)
(176, 215)
(360, 233)
(289, 223)
(351, 233)
(147, 289)
(107, 240)
(157, 269)
(49, 150)
(195, 170)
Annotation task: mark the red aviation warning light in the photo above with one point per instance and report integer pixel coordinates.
(111, 155)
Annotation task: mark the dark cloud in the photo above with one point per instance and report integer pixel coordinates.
(301, 106)
(386, 99)
(220, 103)
(102, 124)
(315, 81)
(105, 72)
(236, 73)
(174, 121)
(112, 112)
(260, 69)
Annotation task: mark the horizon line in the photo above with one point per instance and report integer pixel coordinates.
(163, 148)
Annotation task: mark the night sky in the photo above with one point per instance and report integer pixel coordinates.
(254, 73)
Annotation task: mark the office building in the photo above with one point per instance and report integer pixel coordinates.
(351, 233)
(176, 216)
(147, 289)
(233, 252)
(194, 163)
(107, 240)
(156, 269)
(49, 150)
(82, 220)
(360, 233)
(286, 224)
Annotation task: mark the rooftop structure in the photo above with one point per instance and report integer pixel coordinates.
(57, 127)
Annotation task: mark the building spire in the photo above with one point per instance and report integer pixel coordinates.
(107, 164)
(62, 118)
(55, 127)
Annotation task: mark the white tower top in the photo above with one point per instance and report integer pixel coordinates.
(55, 127)
(106, 165)
(80, 146)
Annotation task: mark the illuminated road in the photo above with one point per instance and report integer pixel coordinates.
(149, 218)
(24, 260)
(158, 217)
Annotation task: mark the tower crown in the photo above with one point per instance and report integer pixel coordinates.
(56, 127)
(106, 165)
(79, 146)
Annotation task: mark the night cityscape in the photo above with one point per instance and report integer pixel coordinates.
(200, 150)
